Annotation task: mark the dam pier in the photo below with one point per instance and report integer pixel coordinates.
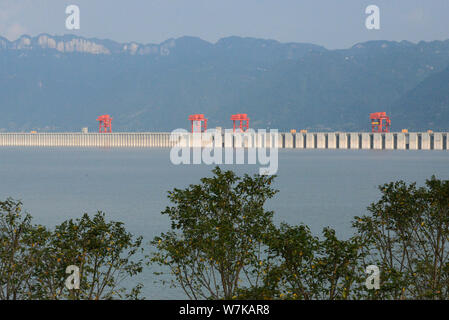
(252, 139)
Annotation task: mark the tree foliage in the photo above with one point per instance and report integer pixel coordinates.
(20, 251)
(223, 244)
(407, 237)
(216, 241)
(306, 267)
(33, 259)
(211, 245)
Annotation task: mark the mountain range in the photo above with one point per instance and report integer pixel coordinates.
(62, 83)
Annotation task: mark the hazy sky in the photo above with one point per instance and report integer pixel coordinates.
(332, 23)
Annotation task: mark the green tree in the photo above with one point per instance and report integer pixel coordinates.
(407, 237)
(303, 266)
(33, 259)
(20, 251)
(215, 246)
(104, 252)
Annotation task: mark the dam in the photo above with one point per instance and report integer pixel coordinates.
(284, 140)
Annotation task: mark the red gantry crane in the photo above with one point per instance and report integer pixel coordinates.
(380, 122)
(241, 117)
(197, 122)
(105, 123)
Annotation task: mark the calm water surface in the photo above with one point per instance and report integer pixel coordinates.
(317, 187)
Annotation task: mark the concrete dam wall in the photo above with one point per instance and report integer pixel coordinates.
(316, 140)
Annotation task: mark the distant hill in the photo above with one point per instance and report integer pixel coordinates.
(63, 83)
(426, 106)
